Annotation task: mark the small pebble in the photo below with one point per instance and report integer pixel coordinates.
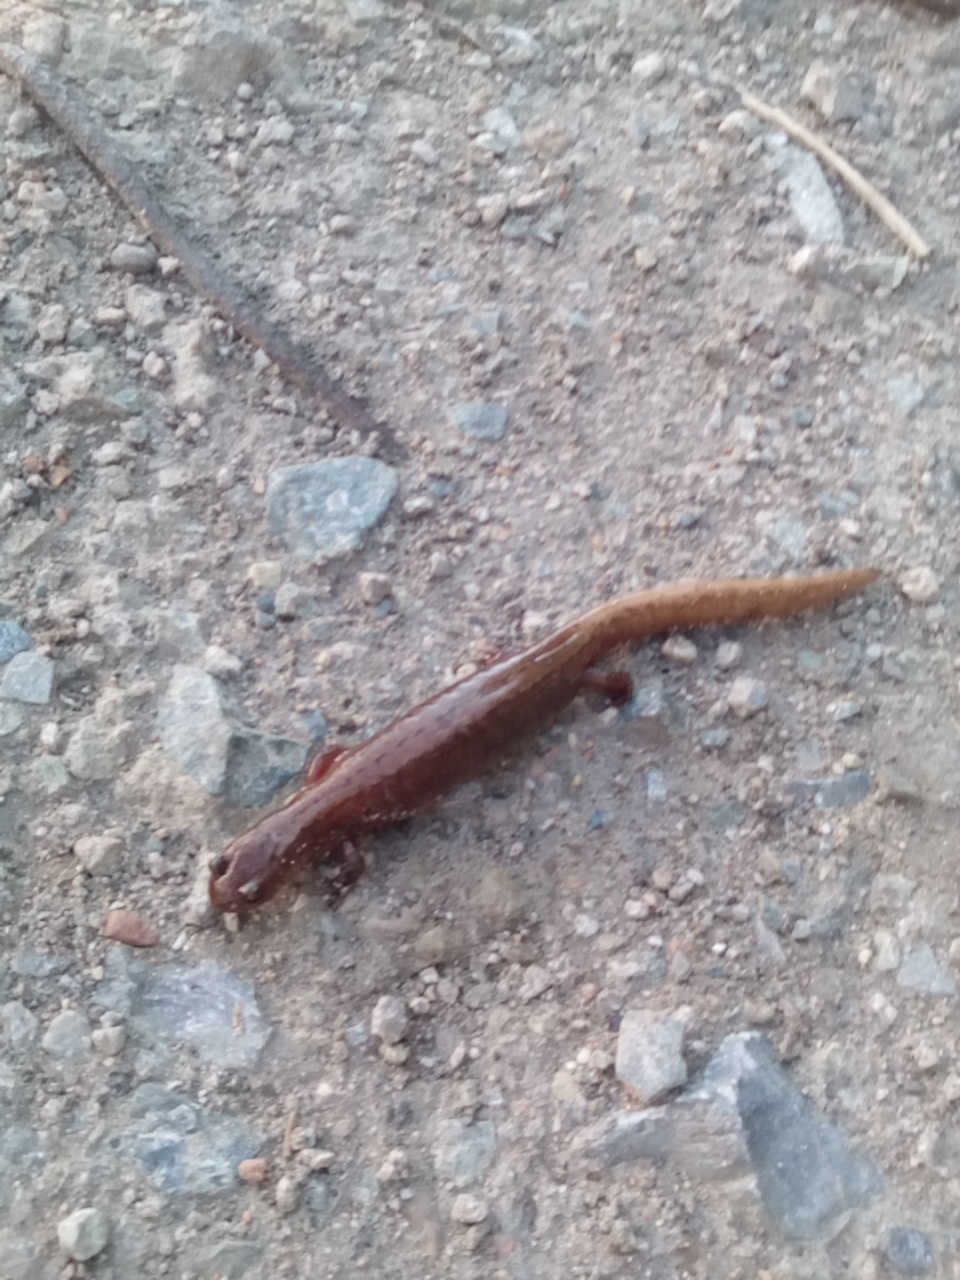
(287, 1194)
(468, 1210)
(13, 640)
(99, 855)
(265, 575)
(126, 927)
(679, 649)
(253, 1170)
(135, 259)
(650, 1054)
(288, 601)
(729, 654)
(390, 1020)
(920, 585)
(83, 1234)
(747, 696)
(374, 587)
(109, 1041)
(27, 677)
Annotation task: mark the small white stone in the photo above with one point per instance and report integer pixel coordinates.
(729, 653)
(679, 649)
(265, 575)
(374, 587)
(287, 1194)
(390, 1020)
(52, 325)
(649, 69)
(83, 1234)
(747, 696)
(468, 1210)
(920, 585)
(221, 662)
(99, 855)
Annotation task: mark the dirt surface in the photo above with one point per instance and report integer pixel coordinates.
(562, 211)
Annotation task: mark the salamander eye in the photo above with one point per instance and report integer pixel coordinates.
(220, 866)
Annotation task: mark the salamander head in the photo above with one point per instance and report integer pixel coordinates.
(249, 871)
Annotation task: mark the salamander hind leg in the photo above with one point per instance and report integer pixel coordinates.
(615, 685)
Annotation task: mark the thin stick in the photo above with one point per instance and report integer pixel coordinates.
(293, 360)
(855, 180)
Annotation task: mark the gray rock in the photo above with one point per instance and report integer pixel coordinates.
(223, 756)
(259, 764)
(650, 1054)
(83, 1234)
(183, 1147)
(629, 1136)
(832, 793)
(747, 696)
(921, 972)
(811, 198)
(99, 855)
(231, 1259)
(201, 1006)
(11, 718)
(834, 94)
(909, 1251)
(390, 1020)
(906, 395)
(96, 752)
(33, 964)
(27, 677)
(194, 729)
(13, 399)
(68, 1037)
(465, 1151)
(480, 420)
(13, 640)
(135, 259)
(324, 508)
(808, 1174)
(19, 1024)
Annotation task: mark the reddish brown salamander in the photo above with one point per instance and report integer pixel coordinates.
(469, 727)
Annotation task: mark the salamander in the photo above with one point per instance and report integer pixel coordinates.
(469, 727)
(472, 725)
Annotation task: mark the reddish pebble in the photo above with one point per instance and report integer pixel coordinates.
(254, 1170)
(124, 926)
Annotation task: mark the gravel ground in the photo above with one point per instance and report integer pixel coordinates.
(673, 994)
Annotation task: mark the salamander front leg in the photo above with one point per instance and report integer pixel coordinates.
(321, 764)
(343, 868)
(615, 685)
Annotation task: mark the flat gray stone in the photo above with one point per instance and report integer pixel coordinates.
(83, 1234)
(809, 1175)
(226, 758)
(921, 972)
(465, 1151)
(183, 1147)
(650, 1054)
(811, 197)
(68, 1037)
(27, 677)
(832, 792)
(479, 420)
(194, 729)
(324, 508)
(204, 1006)
(13, 640)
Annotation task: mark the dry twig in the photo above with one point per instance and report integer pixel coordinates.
(855, 180)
